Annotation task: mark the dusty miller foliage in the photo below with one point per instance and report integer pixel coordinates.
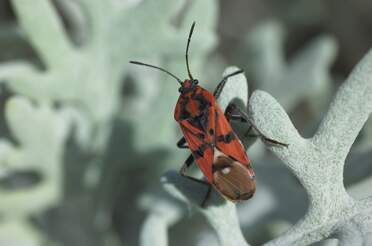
(74, 90)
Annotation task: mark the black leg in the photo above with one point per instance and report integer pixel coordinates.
(189, 161)
(248, 134)
(235, 113)
(219, 88)
(182, 143)
(207, 195)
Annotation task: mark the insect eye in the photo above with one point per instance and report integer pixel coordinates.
(196, 81)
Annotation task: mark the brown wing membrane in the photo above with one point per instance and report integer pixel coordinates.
(232, 179)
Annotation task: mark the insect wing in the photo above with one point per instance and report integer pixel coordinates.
(226, 140)
(201, 150)
(177, 111)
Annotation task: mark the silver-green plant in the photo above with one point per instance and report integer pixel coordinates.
(89, 76)
(40, 133)
(83, 68)
(307, 73)
(75, 89)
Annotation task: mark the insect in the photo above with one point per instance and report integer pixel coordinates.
(208, 134)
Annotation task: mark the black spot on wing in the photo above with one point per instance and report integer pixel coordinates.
(185, 115)
(226, 138)
(199, 152)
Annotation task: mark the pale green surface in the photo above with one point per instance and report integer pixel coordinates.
(83, 71)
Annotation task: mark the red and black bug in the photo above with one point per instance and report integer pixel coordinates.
(213, 144)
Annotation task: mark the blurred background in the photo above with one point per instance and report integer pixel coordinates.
(86, 137)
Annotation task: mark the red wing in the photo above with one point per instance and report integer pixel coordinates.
(226, 140)
(177, 111)
(201, 150)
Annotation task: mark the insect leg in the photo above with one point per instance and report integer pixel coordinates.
(189, 161)
(182, 143)
(207, 195)
(248, 134)
(219, 88)
(235, 113)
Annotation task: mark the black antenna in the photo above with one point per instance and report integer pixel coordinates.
(187, 50)
(161, 69)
